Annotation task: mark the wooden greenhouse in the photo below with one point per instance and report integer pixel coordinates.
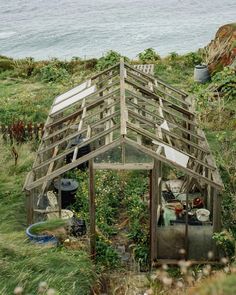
(132, 120)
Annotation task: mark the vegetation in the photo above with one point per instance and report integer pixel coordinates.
(23, 263)
(149, 55)
(27, 89)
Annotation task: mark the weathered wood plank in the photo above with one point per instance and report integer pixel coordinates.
(92, 213)
(70, 166)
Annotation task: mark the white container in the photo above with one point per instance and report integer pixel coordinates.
(203, 215)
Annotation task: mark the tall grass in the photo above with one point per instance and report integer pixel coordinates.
(23, 263)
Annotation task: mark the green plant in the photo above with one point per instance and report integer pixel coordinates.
(149, 55)
(106, 255)
(108, 60)
(193, 58)
(53, 73)
(225, 82)
(226, 242)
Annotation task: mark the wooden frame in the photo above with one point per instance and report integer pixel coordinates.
(126, 107)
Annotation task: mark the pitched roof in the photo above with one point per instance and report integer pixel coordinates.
(123, 107)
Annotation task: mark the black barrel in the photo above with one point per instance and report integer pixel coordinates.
(68, 191)
(81, 152)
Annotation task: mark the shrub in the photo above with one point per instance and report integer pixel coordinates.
(108, 60)
(6, 64)
(53, 73)
(225, 82)
(192, 58)
(149, 55)
(226, 242)
(25, 67)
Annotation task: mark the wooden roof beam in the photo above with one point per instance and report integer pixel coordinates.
(171, 163)
(71, 150)
(74, 164)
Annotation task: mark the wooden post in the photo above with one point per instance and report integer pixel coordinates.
(154, 200)
(59, 196)
(216, 217)
(123, 109)
(29, 206)
(186, 219)
(92, 209)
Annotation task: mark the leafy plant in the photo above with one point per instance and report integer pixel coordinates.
(149, 55)
(226, 242)
(225, 82)
(53, 73)
(108, 60)
(106, 255)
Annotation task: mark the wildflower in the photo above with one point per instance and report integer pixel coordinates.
(227, 269)
(18, 290)
(42, 287)
(224, 260)
(167, 281)
(165, 266)
(51, 291)
(180, 284)
(182, 251)
(207, 270)
(210, 255)
(148, 292)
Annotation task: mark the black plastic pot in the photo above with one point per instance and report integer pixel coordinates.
(68, 191)
(81, 152)
(78, 227)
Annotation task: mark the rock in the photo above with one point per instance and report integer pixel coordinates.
(221, 51)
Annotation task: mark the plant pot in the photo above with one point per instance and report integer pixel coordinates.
(41, 239)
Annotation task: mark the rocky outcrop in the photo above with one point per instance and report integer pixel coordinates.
(221, 51)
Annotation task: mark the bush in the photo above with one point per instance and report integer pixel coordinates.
(225, 82)
(108, 60)
(6, 64)
(192, 59)
(226, 242)
(53, 73)
(149, 55)
(25, 67)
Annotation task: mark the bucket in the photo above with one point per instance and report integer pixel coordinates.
(68, 191)
(41, 239)
(201, 74)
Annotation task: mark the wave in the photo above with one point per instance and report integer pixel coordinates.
(5, 35)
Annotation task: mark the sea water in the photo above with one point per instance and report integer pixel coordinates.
(89, 28)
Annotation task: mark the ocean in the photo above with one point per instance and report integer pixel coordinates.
(88, 28)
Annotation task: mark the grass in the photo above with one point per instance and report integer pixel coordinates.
(22, 262)
(71, 271)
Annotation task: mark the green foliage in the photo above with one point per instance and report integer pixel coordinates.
(225, 82)
(108, 60)
(192, 59)
(149, 55)
(53, 73)
(218, 285)
(6, 64)
(27, 264)
(106, 255)
(135, 187)
(226, 242)
(24, 67)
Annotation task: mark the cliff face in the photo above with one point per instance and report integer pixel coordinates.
(222, 50)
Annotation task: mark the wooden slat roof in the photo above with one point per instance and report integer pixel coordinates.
(124, 106)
